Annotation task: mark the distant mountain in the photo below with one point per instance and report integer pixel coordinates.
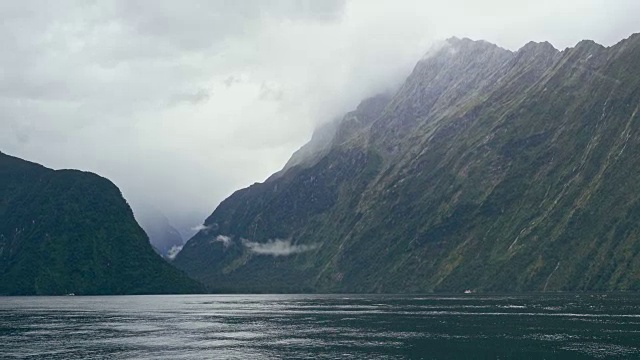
(164, 238)
(69, 231)
(488, 170)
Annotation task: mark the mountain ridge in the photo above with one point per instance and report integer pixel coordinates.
(488, 169)
(70, 231)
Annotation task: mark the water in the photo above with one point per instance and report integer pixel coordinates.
(321, 327)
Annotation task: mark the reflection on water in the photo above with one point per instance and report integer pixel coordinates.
(320, 327)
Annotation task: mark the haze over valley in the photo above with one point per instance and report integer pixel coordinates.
(335, 146)
(182, 104)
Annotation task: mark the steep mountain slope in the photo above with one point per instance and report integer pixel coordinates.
(68, 231)
(489, 170)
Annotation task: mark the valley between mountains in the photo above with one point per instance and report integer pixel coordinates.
(488, 170)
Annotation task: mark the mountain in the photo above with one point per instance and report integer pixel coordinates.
(68, 231)
(488, 170)
(164, 238)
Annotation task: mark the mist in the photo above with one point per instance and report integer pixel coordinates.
(277, 247)
(180, 104)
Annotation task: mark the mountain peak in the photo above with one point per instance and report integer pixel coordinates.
(633, 40)
(633, 37)
(466, 43)
(544, 46)
(588, 45)
(453, 45)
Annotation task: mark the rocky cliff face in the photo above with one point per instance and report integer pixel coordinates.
(489, 170)
(69, 231)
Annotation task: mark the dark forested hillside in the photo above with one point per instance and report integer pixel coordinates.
(488, 170)
(69, 231)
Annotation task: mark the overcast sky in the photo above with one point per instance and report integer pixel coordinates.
(182, 102)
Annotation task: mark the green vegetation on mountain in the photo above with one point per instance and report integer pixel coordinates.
(488, 170)
(69, 231)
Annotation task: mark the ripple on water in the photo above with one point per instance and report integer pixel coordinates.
(320, 327)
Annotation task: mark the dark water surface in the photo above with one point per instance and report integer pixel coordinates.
(321, 327)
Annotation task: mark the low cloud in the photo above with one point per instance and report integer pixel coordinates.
(173, 252)
(225, 240)
(200, 228)
(277, 247)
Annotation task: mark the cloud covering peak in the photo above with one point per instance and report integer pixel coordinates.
(181, 103)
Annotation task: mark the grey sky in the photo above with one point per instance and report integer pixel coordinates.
(181, 103)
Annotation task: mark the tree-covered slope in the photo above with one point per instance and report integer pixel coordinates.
(69, 231)
(489, 170)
